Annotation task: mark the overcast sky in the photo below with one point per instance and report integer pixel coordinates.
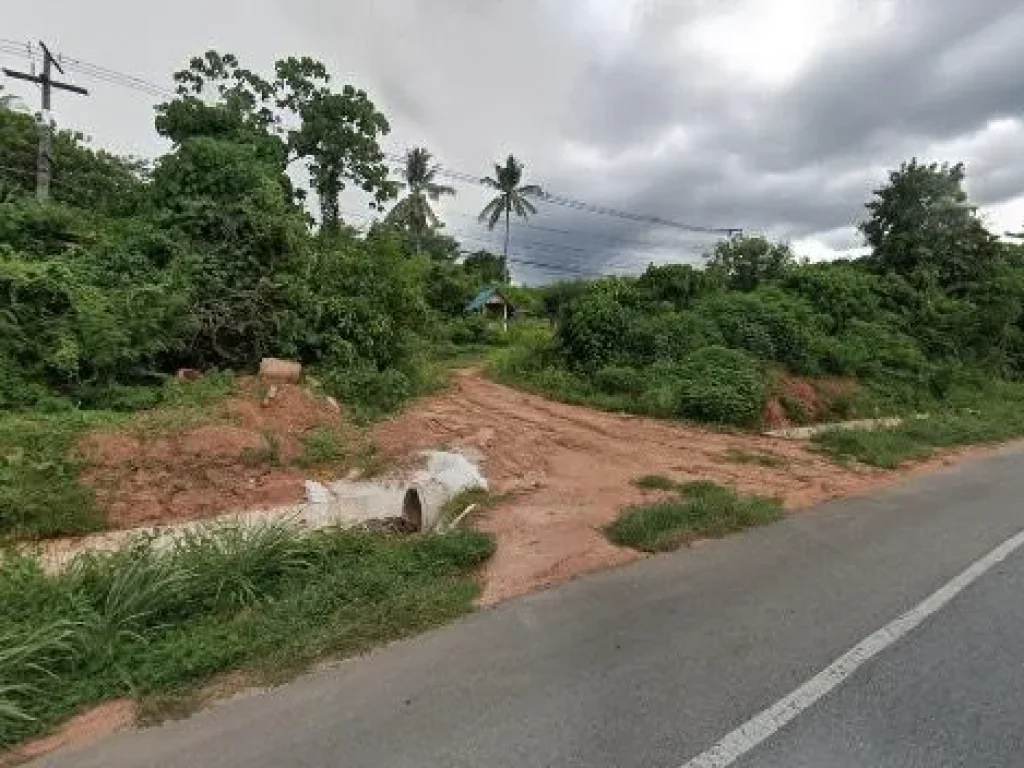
(776, 116)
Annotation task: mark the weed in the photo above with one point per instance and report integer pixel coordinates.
(235, 566)
(482, 500)
(267, 455)
(39, 492)
(701, 510)
(370, 462)
(320, 446)
(24, 657)
(208, 389)
(770, 460)
(988, 415)
(655, 483)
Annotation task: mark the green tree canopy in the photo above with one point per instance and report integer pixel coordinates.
(87, 178)
(218, 98)
(922, 225)
(337, 136)
(486, 268)
(750, 261)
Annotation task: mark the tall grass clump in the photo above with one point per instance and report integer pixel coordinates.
(157, 618)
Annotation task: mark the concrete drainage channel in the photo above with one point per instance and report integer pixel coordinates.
(412, 502)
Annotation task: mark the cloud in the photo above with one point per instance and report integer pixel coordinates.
(778, 116)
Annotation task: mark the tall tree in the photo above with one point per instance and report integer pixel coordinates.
(513, 197)
(413, 213)
(921, 225)
(748, 261)
(219, 99)
(338, 135)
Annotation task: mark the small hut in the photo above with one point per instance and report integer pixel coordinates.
(492, 304)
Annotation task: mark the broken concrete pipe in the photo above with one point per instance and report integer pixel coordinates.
(423, 504)
(444, 478)
(418, 502)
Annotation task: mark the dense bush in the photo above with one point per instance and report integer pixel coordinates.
(721, 385)
(678, 342)
(768, 324)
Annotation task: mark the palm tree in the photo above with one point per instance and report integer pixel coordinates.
(413, 213)
(511, 198)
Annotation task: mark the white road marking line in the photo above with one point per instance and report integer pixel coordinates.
(761, 726)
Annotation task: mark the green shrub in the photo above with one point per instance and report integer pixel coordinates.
(619, 380)
(592, 329)
(369, 392)
(767, 323)
(721, 385)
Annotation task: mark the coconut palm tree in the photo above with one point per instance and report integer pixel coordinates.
(413, 212)
(512, 197)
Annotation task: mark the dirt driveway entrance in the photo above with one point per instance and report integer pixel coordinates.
(569, 470)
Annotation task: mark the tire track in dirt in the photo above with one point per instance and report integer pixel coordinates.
(570, 471)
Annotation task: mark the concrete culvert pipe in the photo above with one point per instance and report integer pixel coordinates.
(445, 477)
(423, 503)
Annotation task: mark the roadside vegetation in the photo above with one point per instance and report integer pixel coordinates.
(931, 321)
(208, 259)
(993, 415)
(698, 510)
(269, 600)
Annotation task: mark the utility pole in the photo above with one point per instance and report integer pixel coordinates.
(44, 158)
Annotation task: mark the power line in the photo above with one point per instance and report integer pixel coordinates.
(88, 69)
(579, 205)
(641, 239)
(574, 267)
(105, 74)
(47, 84)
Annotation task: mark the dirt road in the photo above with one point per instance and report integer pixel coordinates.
(569, 470)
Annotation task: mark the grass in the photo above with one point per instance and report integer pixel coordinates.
(483, 500)
(700, 510)
(986, 415)
(321, 446)
(655, 483)
(40, 496)
(267, 455)
(267, 601)
(769, 460)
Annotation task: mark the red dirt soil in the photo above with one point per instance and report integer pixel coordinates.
(571, 471)
(810, 400)
(201, 471)
(87, 728)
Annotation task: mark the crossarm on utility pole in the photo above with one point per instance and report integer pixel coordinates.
(46, 83)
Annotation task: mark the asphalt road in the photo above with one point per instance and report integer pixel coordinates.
(652, 664)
